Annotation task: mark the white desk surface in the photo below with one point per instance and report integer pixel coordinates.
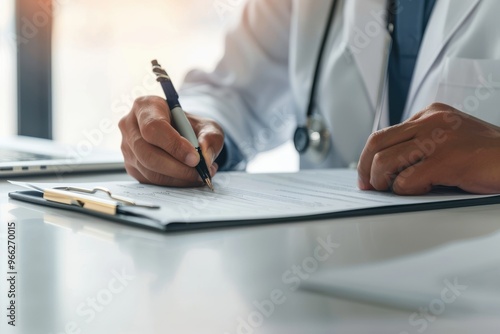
(208, 281)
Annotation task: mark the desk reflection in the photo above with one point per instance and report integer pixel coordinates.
(82, 273)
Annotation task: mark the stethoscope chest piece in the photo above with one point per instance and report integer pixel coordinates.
(313, 140)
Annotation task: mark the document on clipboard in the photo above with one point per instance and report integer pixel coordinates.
(242, 198)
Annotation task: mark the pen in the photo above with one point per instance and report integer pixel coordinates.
(181, 122)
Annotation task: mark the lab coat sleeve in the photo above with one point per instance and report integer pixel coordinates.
(249, 90)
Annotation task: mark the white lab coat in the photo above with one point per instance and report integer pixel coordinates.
(259, 90)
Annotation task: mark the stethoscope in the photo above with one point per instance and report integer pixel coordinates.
(314, 139)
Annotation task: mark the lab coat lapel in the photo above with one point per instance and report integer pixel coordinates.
(367, 39)
(448, 16)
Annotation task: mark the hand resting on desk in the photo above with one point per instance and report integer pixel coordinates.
(438, 146)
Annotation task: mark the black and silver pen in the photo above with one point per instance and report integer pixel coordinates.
(181, 122)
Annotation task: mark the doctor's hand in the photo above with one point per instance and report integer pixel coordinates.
(156, 153)
(438, 146)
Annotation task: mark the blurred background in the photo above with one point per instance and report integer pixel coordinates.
(100, 57)
(7, 69)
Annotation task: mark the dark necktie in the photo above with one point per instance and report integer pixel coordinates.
(410, 23)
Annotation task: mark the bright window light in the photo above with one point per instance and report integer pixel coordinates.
(8, 83)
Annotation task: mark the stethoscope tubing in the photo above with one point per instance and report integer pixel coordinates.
(384, 84)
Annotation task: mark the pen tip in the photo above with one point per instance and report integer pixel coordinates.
(155, 62)
(209, 184)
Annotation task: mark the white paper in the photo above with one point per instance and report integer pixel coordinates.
(243, 196)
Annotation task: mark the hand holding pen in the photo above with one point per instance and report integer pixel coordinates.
(156, 152)
(180, 119)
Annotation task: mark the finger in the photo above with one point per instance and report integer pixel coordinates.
(432, 109)
(131, 137)
(420, 178)
(420, 114)
(136, 149)
(128, 125)
(380, 141)
(417, 179)
(387, 164)
(161, 162)
(155, 127)
(158, 161)
(437, 170)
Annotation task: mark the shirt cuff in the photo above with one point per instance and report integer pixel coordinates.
(230, 158)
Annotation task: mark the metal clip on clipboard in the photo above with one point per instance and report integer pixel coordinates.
(81, 197)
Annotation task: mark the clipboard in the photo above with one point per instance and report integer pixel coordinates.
(80, 200)
(131, 218)
(123, 216)
(116, 208)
